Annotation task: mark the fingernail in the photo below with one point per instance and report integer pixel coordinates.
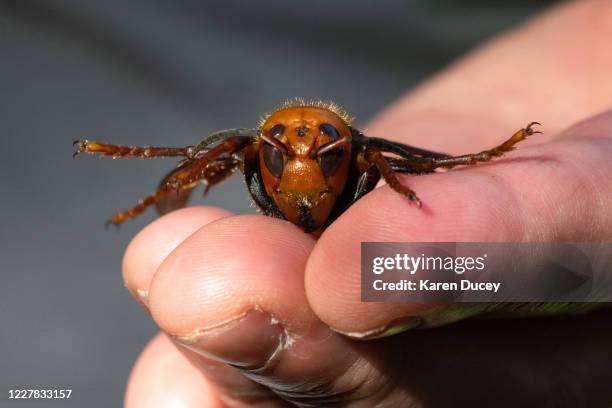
(395, 327)
(250, 340)
(143, 297)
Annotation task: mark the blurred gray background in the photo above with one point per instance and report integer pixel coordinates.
(163, 73)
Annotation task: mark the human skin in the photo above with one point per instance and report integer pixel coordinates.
(227, 290)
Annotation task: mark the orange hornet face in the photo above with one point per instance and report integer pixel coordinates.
(304, 155)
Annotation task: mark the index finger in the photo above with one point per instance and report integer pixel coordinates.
(554, 70)
(538, 194)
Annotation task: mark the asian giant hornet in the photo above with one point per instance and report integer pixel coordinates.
(304, 163)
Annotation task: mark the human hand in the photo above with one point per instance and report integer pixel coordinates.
(250, 300)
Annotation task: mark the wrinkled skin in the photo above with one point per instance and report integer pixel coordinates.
(216, 301)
